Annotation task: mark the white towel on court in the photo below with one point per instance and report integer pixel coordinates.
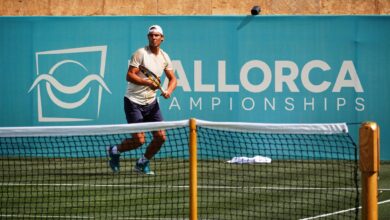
(250, 160)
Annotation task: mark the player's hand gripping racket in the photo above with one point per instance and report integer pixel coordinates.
(152, 77)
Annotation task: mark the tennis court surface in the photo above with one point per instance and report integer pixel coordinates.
(313, 173)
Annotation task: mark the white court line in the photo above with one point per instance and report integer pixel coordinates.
(177, 186)
(47, 216)
(91, 185)
(383, 202)
(78, 217)
(88, 217)
(173, 186)
(339, 212)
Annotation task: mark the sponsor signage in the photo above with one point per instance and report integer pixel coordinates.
(274, 69)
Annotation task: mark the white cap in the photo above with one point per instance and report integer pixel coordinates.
(155, 29)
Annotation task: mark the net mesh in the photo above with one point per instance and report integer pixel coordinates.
(310, 175)
(67, 175)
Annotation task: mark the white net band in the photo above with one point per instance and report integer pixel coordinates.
(269, 128)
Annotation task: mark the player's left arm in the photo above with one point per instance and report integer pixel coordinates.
(172, 83)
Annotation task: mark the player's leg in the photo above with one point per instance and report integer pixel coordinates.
(151, 113)
(113, 152)
(155, 145)
(142, 165)
(136, 141)
(133, 115)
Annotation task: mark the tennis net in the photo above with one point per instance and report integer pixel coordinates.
(244, 171)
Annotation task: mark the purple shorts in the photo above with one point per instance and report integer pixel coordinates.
(136, 113)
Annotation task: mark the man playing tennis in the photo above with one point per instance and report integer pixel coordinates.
(140, 100)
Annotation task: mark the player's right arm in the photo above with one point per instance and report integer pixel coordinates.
(132, 73)
(133, 77)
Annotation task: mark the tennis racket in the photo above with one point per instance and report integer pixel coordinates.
(152, 77)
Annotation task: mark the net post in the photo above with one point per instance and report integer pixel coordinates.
(193, 171)
(369, 167)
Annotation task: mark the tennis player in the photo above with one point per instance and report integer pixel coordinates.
(140, 100)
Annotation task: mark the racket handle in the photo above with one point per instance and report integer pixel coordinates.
(162, 89)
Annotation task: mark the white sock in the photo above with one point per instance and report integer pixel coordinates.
(143, 159)
(115, 150)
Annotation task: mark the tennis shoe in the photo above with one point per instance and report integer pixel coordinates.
(113, 160)
(143, 168)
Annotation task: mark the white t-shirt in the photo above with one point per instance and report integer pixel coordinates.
(140, 94)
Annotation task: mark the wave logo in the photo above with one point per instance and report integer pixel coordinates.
(70, 84)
